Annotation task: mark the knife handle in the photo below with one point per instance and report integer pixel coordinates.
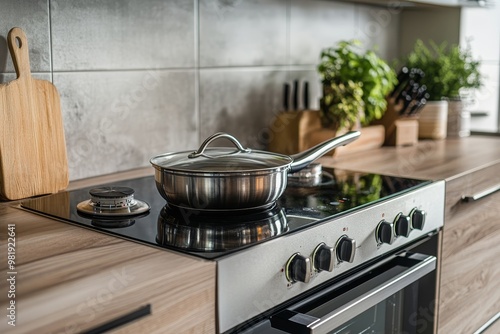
(295, 98)
(286, 96)
(306, 95)
(403, 76)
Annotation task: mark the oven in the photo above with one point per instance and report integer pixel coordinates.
(395, 294)
(344, 252)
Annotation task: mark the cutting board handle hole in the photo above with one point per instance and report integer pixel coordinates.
(19, 42)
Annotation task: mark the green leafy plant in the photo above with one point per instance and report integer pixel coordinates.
(355, 85)
(448, 70)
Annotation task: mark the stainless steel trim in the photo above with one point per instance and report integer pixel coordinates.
(482, 194)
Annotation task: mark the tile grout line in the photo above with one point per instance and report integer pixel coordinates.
(196, 50)
(288, 15)
(186, 69)
(50, 43)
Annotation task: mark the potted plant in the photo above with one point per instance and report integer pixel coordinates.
(355, 86)
(450, 73)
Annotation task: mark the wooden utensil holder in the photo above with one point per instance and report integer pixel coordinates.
(292, 132)
(399, 131)
(296, 131)
(284, 132)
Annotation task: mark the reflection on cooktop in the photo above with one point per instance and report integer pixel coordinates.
(214, 232)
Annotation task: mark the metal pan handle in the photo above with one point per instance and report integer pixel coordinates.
(295, 322)
(303, 159)
(201, 150)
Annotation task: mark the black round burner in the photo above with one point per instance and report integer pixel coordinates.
(111, 192)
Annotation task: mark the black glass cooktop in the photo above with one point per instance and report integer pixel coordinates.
(213, 234)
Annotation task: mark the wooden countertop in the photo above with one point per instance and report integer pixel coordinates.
(429, 159)
(70, 278)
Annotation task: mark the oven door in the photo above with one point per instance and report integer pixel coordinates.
(395, 296)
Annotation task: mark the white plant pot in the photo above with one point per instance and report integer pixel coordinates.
(433, 120)
(458, 119)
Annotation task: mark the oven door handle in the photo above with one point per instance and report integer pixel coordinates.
(296, 322)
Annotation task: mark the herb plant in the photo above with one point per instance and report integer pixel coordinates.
(355, 85)
(448, 70)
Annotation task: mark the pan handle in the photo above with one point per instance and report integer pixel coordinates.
(201, 150)
(303, 159)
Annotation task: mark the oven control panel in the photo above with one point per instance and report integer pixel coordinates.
(401, 226)
(262, 277)
(300, 268)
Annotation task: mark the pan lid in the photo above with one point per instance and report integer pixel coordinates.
(221, 159)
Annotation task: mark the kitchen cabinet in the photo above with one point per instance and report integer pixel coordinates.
(70, 279)
(469, 289)
(470, 269)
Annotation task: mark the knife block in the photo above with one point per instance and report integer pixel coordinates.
(296, 131)
(312, 132)
(284, 132)
(399, 131)
(292, 132)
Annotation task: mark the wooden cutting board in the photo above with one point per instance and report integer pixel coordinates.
(33, 157)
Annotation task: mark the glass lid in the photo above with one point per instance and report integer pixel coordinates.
(221, 159)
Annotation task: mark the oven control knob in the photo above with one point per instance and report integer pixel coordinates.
(385, 232)
(324, 257)
(345, 248)
(298, 268)
(417, 218)
(402, 225)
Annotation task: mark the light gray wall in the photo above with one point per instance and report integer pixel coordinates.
(139, 78)
(477, 27)
(484, 40)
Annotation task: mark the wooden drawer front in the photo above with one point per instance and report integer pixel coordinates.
(470, 269)
(71, 279)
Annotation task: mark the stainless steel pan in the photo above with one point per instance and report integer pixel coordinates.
(222, 178)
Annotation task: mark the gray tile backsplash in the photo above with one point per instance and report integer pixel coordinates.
(138, 79)
(118, 120)
(33, 18)
(377, 28)
(240, 102)
(242, 32)
(122, 34)
(315, 25)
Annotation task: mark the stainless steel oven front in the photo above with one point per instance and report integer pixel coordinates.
(388, 286)
(396, 294)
